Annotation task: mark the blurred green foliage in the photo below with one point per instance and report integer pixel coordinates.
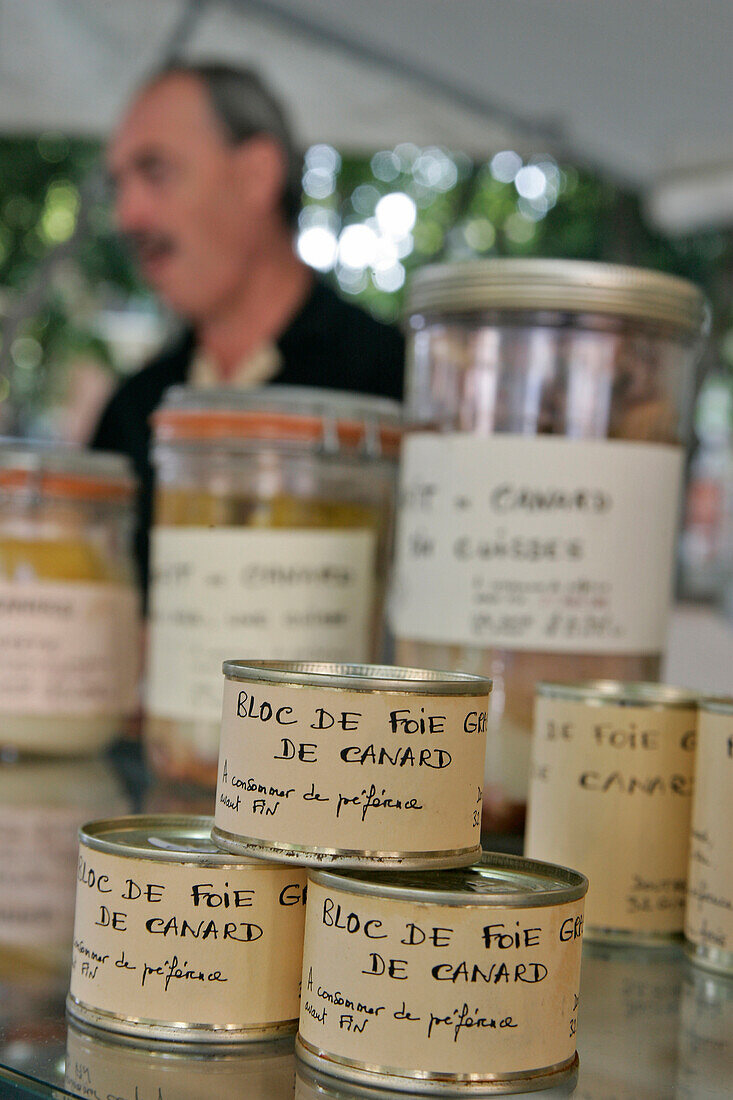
(461, 210)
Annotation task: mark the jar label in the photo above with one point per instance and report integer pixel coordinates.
(360, 771)
(233, 592)
(709, 919)
(416, 987)
(611, 795)
(178, 942)
(68, 647)
(542, 544)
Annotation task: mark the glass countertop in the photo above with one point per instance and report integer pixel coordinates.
(651, 1026)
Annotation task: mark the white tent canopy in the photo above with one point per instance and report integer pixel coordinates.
(638, 88)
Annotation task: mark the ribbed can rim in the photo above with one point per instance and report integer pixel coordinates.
(495, 880)
(163, 838)
(358, 677)
(717, 704)
(619, 693)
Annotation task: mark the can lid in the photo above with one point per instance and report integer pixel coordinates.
(618, 693)
(300, 414)
(718, 704)
(575, 286)
(64, 470)
(495, 880)
(358, 677)
(166, 838)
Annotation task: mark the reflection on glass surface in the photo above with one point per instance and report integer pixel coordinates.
(706, 1037)
(651, 1027)
(103, 1067)
(42, 804)
(311, 1085)
(627, 1022)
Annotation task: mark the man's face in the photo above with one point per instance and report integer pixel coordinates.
(185, 198)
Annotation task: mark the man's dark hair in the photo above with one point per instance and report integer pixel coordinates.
(245, 107)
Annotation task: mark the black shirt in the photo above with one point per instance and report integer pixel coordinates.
(330, 343)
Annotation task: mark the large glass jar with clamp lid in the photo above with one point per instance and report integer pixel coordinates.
(547, 407)
(273, 513)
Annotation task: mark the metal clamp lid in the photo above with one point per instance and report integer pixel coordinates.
(569, 286)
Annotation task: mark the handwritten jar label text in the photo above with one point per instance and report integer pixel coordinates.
(324, 769)
(452, 989)
(611, 795)
(169, 941)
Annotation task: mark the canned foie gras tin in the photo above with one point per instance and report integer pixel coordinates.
(444, 982)
(709, 915)
(611, 793)
(175, 940)
(351, 765)
(114, 1067)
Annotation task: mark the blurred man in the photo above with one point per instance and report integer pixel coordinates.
(207, 184)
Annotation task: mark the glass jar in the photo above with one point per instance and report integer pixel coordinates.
(273, 515)
(548, 404)
(69, 631)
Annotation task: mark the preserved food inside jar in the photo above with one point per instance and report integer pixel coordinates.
(273, 515)
(69, 630)
(548, 403)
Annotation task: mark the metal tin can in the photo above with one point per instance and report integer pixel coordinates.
(351, 765)
(273, 524)
(611, 794)
(549, 403)
(450, 982)
(709, 915)
(103, 1066)
(174, 940)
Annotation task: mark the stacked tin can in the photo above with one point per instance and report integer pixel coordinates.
(405, 909)
(425, 964)
(631, 784)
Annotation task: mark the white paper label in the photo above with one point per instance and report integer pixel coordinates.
(362, 771)
(709, 917)
(243, 593)
(611, 796)
(177, 942)
(532, 543)
(67, 647)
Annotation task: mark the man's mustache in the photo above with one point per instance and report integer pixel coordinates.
(146, 243)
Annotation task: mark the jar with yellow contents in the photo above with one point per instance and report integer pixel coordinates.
(69, 630)
(273, 515)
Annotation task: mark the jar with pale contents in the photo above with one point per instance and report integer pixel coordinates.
(273, 515)
(69, 629)
(547, 407)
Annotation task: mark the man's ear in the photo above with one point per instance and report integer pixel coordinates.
(261, 171)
